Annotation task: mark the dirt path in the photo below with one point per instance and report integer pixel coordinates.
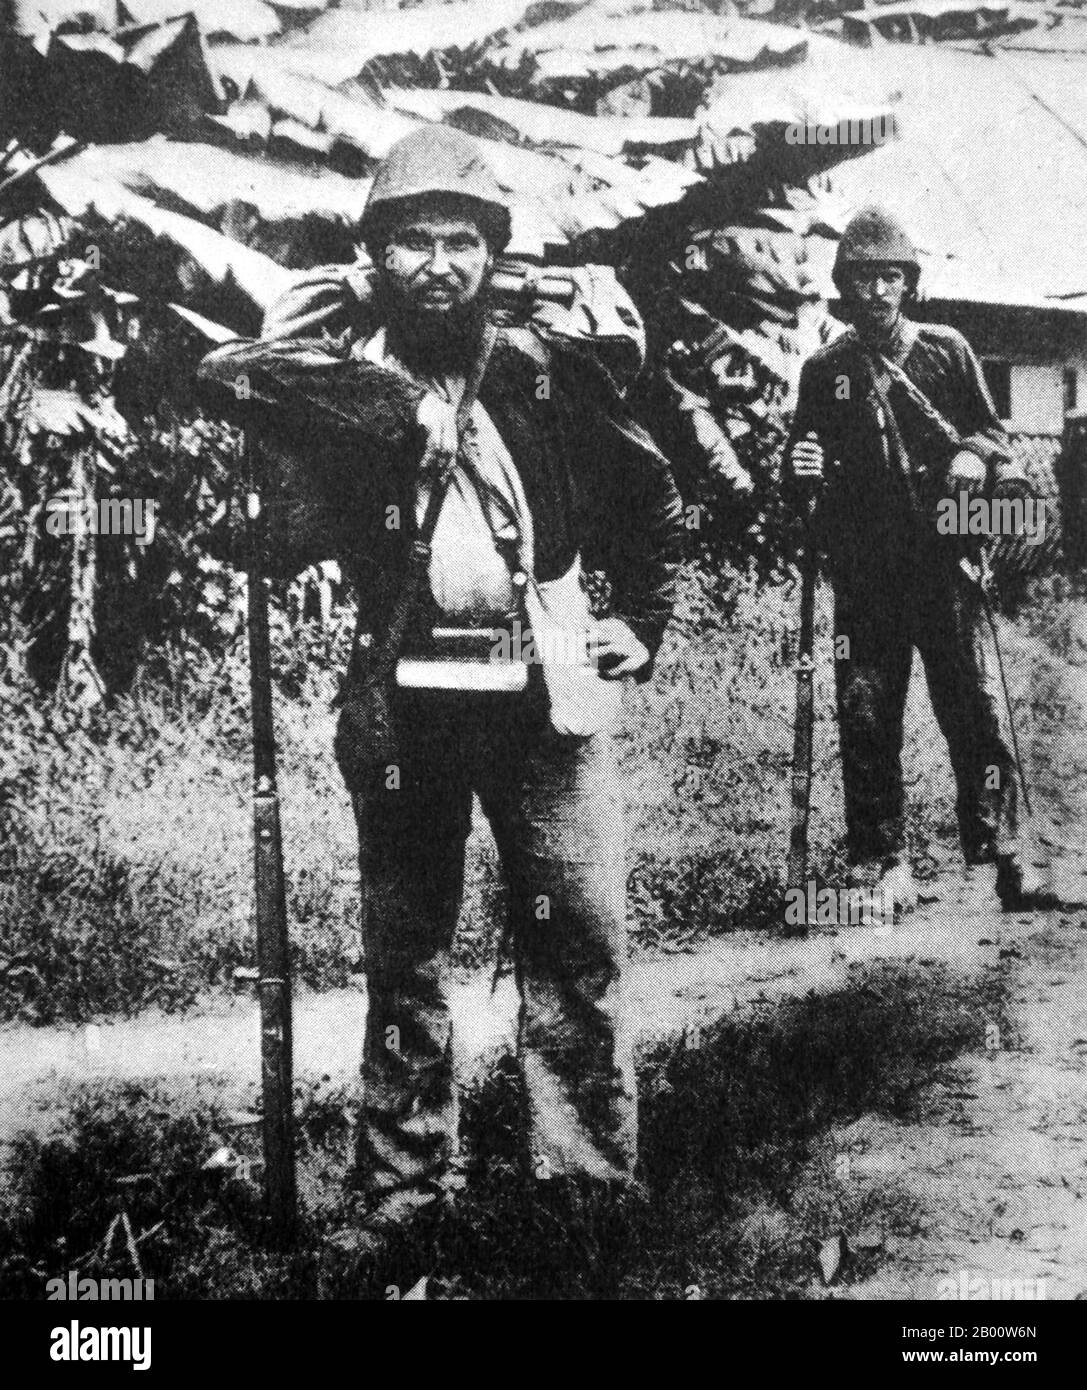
(670, 994)
(997, 1166)
(994, 1164)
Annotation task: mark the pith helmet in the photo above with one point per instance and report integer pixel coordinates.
(874, 235)
(436, 159)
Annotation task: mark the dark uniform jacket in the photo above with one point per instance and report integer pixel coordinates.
(343, 446)
(875, 527)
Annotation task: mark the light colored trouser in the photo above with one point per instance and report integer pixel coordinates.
(554, 806)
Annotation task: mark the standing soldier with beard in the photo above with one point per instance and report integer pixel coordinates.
(898, 584)
(553, 479)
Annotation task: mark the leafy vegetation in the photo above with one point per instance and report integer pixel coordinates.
(126, 870)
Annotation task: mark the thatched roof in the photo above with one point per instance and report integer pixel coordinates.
(993, 189)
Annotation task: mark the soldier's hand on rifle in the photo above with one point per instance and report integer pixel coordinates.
(438, 419)
(967, 473)
(615, 650)
(807, 460)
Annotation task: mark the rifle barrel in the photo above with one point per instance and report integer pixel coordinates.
(796, 873)
(273, 961)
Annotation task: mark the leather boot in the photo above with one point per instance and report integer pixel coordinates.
(1022, 887)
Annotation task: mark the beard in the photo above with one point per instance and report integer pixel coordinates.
(431, 342)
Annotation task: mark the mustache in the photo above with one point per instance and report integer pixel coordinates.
(391, 296)
(427, 341)
(451, 281)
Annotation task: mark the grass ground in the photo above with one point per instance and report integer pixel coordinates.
(741, 1196)
(137, 887)
(125, 866)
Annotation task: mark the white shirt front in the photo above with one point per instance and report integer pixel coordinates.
(469, 577)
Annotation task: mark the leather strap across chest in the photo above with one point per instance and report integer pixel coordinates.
(386, 650)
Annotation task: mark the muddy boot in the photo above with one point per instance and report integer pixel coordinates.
(897, 890)
(1022, 887)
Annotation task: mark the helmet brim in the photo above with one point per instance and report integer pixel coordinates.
(379, 223)
(842, 273)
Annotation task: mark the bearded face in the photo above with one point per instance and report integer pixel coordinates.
(433, 268)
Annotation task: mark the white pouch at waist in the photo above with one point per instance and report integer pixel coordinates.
(559, 617)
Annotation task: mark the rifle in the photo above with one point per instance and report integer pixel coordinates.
(519, 288)
(978, 572)
(981, 576)
(796, 873)
(273, 960)
(270, 894)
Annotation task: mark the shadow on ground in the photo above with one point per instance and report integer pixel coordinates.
(741, 1192)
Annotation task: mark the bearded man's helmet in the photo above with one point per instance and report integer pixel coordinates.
(435, 162)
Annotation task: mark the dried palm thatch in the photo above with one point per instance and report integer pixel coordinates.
(120, 84)
(340, 45)
(544, 125)
(933, 21)
(609, 44)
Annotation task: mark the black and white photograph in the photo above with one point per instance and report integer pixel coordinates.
(543, 662)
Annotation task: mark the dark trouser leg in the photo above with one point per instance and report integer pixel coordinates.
(964, 687)
(559, 830)
(413, 821)
(872, 684)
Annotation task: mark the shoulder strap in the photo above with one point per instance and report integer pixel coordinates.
(897, 455)
(387, 650)
(933, 417)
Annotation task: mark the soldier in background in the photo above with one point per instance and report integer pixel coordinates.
(881, 470)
